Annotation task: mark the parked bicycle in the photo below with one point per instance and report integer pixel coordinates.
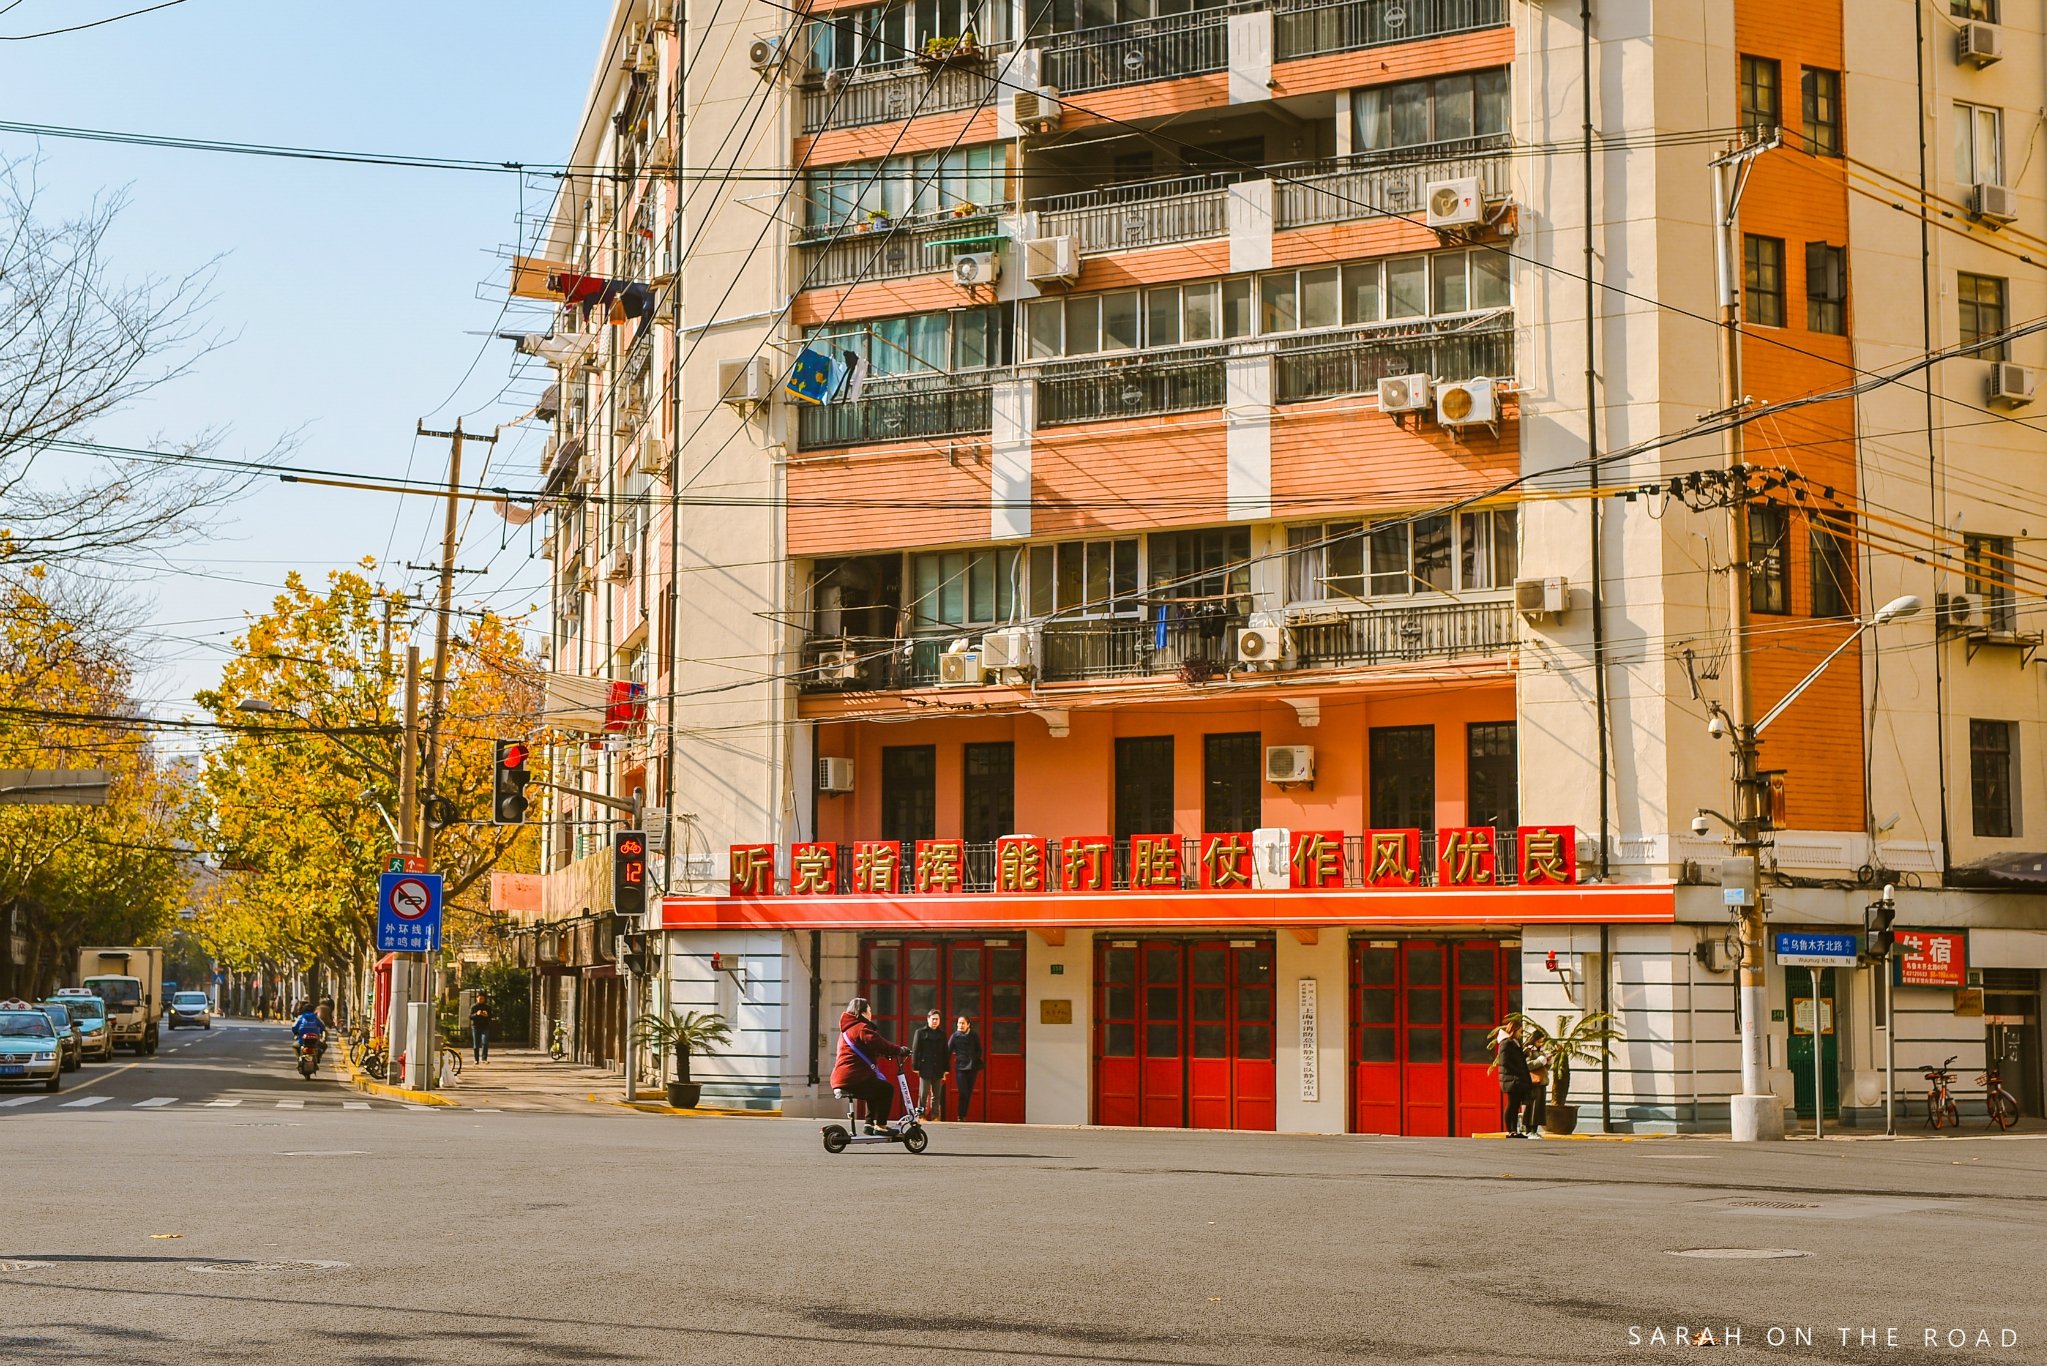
(558, 1041)
(1940, 1104)
(451, 1061)
(2004, 1110)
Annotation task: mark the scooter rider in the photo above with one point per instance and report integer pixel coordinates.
(858, 1070)
(309, 1028)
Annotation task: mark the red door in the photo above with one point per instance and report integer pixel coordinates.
(1485, 996)
(1161, 1069)
(1420, 1013)
(1116, 1062)
(982, 979)
(1183, 1034)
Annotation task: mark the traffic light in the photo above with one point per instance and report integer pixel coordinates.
(1878, 938)
(508, 784)
(629, 872)
(639, 955)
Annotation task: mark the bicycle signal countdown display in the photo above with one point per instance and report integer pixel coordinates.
(408, 912)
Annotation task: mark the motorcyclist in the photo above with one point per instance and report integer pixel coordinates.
(858, 1072)
(309, 1029)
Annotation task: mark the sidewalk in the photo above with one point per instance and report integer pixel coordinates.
(522, 1079)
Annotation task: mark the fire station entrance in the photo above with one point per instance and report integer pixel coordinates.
(1420, 1011)
(1183, 1033)
(981, 979)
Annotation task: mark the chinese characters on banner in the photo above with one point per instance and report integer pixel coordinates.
(1933, 958)
(1317, 860)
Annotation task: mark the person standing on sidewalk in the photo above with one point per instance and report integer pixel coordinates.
(1517, 1088)
(479, 1029)
(965, 1048)
(931, 1060)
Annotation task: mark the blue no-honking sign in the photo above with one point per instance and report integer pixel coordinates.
(408, 912)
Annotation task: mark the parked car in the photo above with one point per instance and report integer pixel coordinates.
(70, 1039)
(95, 1039)
(191, 1008)
(28, 1050)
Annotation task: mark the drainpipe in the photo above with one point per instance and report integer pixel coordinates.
(1599, 700)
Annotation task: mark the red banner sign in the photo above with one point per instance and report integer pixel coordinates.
(813, 869)
(1393, 858)
(1933, 958)
(1226, 863)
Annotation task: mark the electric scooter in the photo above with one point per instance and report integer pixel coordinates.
(908, 1131)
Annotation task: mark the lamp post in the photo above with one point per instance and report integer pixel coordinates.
(1756, 1114)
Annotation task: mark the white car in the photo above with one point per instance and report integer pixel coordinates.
(191, 1008)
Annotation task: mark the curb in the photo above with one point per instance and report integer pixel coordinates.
(378, 1088)
(1592, 1138)
(654, 1107)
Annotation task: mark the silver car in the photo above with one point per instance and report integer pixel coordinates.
(70, 1046)
(191, 1008)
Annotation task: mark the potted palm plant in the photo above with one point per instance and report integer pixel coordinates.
(683, 1033)
(1587, 1039)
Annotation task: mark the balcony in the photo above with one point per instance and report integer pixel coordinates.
(1078, 650)
(1385, 633)
(1103, 388)
(1388, 185)
(1315, 28)
(1157, 212)
(902, 90)
(1329, 365)
(902, 409)
(869, 663)
(1137, 52)
(846, 255)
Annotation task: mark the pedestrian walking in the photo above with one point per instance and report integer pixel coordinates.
(326, 1011)
(931, 1059)
(479, 1029)
(965, 1048)
(1517, 1089)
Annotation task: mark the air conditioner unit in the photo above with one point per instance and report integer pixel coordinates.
(1549, 597)
(1456, 203)
(837, 666)
(652, 459)
(972, 268)
(1289, 763)
(747, 379)
(959, 667)
(581, 576)
(834, 774)
(1261, 645)
(1979, 43)
(620, 567)
(1404, 393)
(1959, 611)
(1473, 402)
(1052, 260)
(2012, 385)
(1036, 110)
(661, 153)
(1994, 203)
(1010, 648)
(765, 56)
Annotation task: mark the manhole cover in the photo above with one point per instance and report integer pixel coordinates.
(1772, 1204)
(262, 1268)
(12, 1265)
(1740, 1254)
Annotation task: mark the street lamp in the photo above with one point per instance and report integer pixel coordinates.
(1757, 1114)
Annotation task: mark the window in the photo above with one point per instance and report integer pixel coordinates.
(1833, 568)
(1762, 104)
(1820, 100)
(1202, 572)
(1763, 280)
(1232, 782)
(1457, 108)
(1328, 561)
(1983, 11)
(988, 808)
(909, 792)
(923, 184)
(1403, 777)
(922, 343)
(1769, 558)
(1488, 548)
(1492, 790)
(1409, 556)
(1987, 563)
(1144, 786)
(1084, 579)
(963, 587)
(1826, 289)
(1981, 301)
(1979, 144)
(1993, 801)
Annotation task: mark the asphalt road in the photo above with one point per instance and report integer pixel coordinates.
(189, 1232)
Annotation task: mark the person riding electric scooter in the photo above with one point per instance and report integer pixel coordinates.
(309, 1032)
(857, 1073)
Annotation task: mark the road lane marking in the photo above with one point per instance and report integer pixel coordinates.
(346, 1104)
(89, 1100)
(291, 1105)
(153, 1102)
(231, 1100)
(20, 1100)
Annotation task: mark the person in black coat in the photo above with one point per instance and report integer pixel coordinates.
(965, 1048)
(1516, 1086)
(930, 1060)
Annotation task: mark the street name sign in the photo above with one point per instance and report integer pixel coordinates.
(408, 912)
(1801, 949)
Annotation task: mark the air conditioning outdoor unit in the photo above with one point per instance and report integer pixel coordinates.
(1994, 203)
(1404, 393)
(1471, 403)
(972, 268)
(1979, 43)
(1261, 645)
(1959, 611)
(661, 153)
(1548, 597)
(834, 774)
(652, 458)
(1010, 648)
(959, 667)
(2012, 385)
(1052, 260)
(1036, 110)
(746, 379)
(585, 581)
(837, 666)
(765, 55)
(1289, 763)
(620, 569)
(1454, 203)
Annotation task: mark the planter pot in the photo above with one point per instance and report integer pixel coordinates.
(1560, 1119)
(684, 1095)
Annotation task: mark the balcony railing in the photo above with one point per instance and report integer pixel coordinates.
(1402, 633)
(1136, 52)
(868, 663)
(1075, 650)
(1311, 28)
(848, 257)
(1102, 388)
(895, 409)
(1121, 217)
(901, 91)
(1388, 185)
(1325, 365)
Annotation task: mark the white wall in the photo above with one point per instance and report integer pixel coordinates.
(1327, 964)
(1057, 1058)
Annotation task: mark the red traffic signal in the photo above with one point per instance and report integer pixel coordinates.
(508, 784)
(511, 754)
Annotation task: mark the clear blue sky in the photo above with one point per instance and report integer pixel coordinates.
(353, 294)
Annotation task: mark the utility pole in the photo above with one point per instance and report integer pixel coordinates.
(1756, 1114)
(437, 699)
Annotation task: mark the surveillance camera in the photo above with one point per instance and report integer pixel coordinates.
(1716, 728)
(1700, 825)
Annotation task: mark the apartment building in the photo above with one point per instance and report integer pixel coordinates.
(1198, 539)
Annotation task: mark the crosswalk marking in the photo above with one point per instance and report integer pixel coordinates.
(154, 1101)
(84, 1101)
(291, 1105)
(355, 1105)
(226, 1100)
(20, 1100)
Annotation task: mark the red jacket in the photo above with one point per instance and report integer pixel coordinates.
(871, 1041)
